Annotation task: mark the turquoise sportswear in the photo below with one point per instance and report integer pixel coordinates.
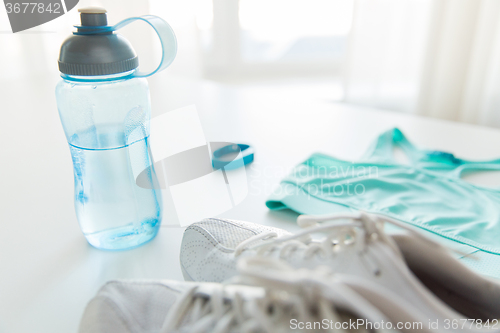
(428, 192)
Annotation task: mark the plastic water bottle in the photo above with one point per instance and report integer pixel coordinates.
(103, 103)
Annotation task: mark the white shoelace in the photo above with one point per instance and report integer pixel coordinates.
(223, 312)
(208, 312)
(357, 231)
(284, 293)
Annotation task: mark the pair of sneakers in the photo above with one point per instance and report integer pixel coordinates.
(341, 269)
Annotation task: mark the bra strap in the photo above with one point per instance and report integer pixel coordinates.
(382, 149)
(473, 166)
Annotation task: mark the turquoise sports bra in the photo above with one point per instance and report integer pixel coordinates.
(428, 192)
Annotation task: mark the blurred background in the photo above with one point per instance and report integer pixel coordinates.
(436, 58)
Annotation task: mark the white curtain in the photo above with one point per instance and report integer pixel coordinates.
(438, 58)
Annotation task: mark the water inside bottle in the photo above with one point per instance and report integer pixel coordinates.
(113, 211)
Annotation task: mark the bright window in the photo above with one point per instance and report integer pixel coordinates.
(293, 30)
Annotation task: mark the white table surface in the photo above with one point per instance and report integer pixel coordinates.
(48, 272)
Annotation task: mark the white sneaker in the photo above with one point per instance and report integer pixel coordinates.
(276, 305)
(355, 246)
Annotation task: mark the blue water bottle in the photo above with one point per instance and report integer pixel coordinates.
(103, 103)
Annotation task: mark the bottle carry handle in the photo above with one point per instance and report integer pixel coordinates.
(167, 40)
(162, 29)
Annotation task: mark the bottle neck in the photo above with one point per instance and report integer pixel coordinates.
(98, 78)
